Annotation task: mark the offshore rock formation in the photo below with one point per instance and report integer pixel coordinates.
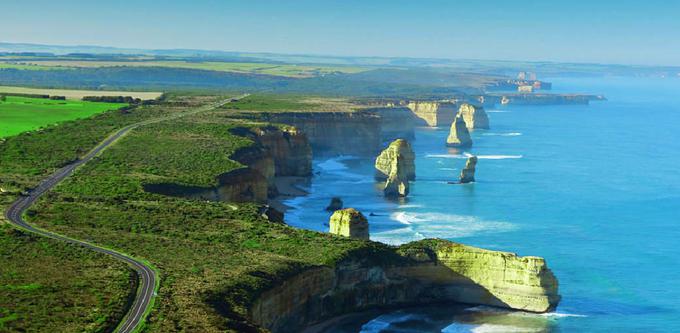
(459, 136)
(350, 223)
(434, 113)
(467, 175)
(335, 204)
(384, 161)
(475, 117)
(419, 273)
(397, 184)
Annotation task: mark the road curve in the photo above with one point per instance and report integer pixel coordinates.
(146, 275)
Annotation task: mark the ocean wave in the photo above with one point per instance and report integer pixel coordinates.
(495, 328)
(334, 164)
(424, 225)
(498, 157)
(503, 134)
(481, 157)
(489, 309)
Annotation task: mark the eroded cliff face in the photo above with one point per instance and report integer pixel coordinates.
(475, 117)
(396, 122)
(384, 161)
(274, 152)
(427, 272)
(289, 149)
(434, 113)
(349, 133)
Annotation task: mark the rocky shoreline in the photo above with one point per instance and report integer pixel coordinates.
(377, 275)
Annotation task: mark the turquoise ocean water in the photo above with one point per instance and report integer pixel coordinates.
(593, 189)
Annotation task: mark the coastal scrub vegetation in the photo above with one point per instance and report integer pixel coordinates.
(49, 285)
(214, 257)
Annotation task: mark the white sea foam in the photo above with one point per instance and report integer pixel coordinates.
(423, 225)
(489, 309)
(503, 134)
(411, 206)
(498, 157)
(448, 169)
(497, 111)
(335, 163)
(444, 156)
(481, 157)
(383, 322)
(495, 328)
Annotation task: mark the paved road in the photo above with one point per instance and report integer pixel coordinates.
(147, 276)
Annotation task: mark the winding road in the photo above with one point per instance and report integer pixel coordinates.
(148, 278)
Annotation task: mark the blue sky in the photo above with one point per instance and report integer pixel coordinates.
(628, 32)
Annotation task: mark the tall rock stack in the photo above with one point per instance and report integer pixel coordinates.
(467, 175)
(350, 223)
(459, 136)
(384, 161)
(397, 184)
(475, 117)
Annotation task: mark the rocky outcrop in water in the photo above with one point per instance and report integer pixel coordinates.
(385, 161)
(434, 113)
(459, 136)
(335, 204)
(467, 175)
(421, 273)
(397, 183)
(350, 223)
(475, 117)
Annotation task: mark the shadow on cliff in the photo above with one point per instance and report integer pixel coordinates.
(374, 277)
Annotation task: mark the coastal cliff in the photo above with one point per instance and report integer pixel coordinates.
(475, 117)
(356, 133)
(425, 272)
(434, 113)
(275, 152)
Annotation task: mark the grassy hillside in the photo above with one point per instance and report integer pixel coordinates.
(20, 114)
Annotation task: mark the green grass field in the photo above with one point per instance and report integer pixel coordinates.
(21, 114)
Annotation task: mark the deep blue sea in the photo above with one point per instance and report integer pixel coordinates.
(593, 189)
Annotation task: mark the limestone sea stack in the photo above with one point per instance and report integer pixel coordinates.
(467, 175)
(459, 136)
(384, 161)
(350, 223)
(397, 184)
(475, 117)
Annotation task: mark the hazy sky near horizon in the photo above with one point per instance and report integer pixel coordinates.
(627, 32)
